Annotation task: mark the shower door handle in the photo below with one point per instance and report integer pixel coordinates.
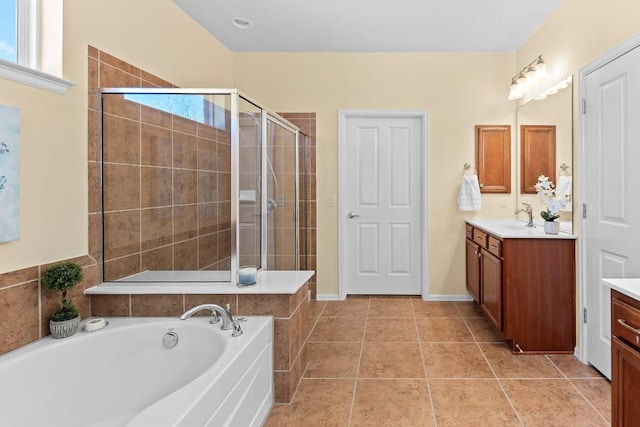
(352, 215)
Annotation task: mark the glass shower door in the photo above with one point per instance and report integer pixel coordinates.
(249, 180)
(282, 195)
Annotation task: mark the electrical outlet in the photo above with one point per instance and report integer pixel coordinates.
(333, 200)
(504, 202)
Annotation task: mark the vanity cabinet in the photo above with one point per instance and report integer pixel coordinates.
(525, 287)
(625, 360)
(473, 269)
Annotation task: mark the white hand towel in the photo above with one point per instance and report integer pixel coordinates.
(469, 195)
(563, 191)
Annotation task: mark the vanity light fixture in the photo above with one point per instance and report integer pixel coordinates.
(529, 77)
(555, 88)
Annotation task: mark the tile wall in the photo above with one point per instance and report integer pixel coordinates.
(308, 225)
(26, 305)
(167, 180)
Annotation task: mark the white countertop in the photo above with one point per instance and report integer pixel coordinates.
(515, 229)
(629, 287)
(268, 282)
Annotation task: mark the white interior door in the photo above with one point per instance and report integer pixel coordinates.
(382, 210)
(612, 224)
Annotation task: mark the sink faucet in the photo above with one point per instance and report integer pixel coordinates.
(228, 321)
(529, 210)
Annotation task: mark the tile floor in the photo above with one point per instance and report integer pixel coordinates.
(400, 361)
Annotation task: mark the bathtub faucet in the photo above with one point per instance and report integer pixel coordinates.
(227, 318)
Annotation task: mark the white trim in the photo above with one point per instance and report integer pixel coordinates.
(28, 33)
(461, 298)
(632, 43)
(33, 78)
(327, 297)
(343, 115)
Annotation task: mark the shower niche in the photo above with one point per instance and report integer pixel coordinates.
(197, 183)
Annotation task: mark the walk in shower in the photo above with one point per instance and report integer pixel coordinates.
(197, 183)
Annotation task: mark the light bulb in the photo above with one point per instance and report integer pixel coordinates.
(514, 90)
(541, 70)
(530, 76)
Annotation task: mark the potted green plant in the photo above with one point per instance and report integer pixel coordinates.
(62, 277)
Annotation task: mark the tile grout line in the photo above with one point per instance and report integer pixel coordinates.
(355, 385)
(577, 389)
(504, 392)
(424, 366)
(305, 369)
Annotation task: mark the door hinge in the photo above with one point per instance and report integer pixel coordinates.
(584, 106)
(584, 315)
(584, 210)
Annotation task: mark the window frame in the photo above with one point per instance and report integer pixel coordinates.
(27, 68)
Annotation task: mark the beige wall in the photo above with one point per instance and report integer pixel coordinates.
(459, 90)
(153, 34)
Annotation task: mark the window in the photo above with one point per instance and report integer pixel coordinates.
(8, 36)
(19, 32)
(20, 25)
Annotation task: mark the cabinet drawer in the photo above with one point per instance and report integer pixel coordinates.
(480, 238)
(469, 232)
(625, 321)
(495, 246)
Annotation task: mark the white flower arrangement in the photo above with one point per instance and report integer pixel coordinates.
(547, 193)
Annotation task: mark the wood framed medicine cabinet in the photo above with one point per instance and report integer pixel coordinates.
(493, 158)
(537, 155)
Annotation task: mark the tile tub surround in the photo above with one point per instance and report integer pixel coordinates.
(427, 363)
(281, 294)
(26, 305)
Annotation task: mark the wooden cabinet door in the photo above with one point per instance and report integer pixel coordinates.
(537, 155)
(473, 270)
(493, 158)
(625, 400)
(491, 271)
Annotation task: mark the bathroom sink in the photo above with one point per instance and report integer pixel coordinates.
(515, 229)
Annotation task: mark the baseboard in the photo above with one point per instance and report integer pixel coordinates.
(448, 298)
(327, 297)
(335, 297)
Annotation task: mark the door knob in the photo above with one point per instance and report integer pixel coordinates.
(352, 215)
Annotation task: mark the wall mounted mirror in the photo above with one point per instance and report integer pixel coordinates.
(545, 147)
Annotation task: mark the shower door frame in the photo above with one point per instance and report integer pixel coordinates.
(278, 120)
(266, 114)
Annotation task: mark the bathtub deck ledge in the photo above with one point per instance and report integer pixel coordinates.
(268, 282)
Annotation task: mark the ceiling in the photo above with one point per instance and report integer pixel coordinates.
(371, 25)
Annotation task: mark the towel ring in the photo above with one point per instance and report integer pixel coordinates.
(468, 168)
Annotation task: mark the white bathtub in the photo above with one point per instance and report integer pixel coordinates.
(123, 376)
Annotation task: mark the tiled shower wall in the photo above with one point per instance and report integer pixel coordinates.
(167, 180)
(307, 178)
(281, 183)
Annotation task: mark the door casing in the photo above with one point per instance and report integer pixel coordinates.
(344, 116)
